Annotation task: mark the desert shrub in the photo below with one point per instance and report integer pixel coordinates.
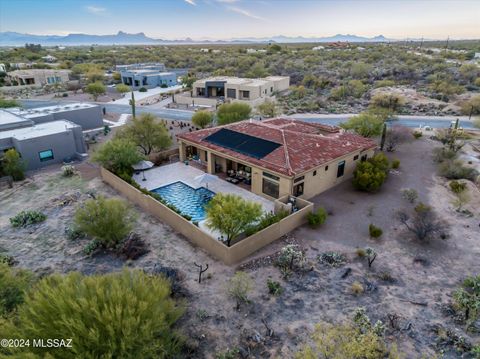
(357, 288)
(13, 165)
(456, 170)
(457, 187)
(14, 283)
(7, 259)
(361, 252)
(332, 259)
(390, 101)
(266, 220)
(142, 89)
(417, 134)
(317, 218)
(467, 298)
(27, 218)
(228, 113)
(107, 220)
(290, 259)
(91, 247)
(239, 286)
(228, 354)
(395, 163)
(423, 223)
(68, 170)
(73, 233)
(369, 175)
(442, 154)
(374, 231)
(395, 136)
(274, 288)
(410, 195)
(133, 247)
(384, 83)
(119, 315)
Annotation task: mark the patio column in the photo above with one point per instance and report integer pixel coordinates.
(210, 162)
(181, 151)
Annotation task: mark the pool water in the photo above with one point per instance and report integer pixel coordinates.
(188, 200)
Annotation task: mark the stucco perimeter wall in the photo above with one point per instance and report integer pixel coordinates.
(229, 255)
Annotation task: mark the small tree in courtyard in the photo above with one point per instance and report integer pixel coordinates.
(370, 175)
(107, 220)
(96, 89)
(233, 112)
(13, 165)
(202, 119)
(147, 133)
(118, 156)
(231, 215)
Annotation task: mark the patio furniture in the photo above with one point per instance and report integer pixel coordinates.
(232, 180)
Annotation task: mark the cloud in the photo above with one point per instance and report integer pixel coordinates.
(245, 13)
(96, 10)
(191, 2)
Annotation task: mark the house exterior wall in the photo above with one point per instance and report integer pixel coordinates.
(148, 79)
(88, 118)
(65, 145)
(39, 77)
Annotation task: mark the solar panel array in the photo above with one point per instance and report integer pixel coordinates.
(245, 144)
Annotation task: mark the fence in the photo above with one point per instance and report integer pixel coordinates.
(229, 255)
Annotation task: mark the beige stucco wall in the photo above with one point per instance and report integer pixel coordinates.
(229, 255)
(323, 180)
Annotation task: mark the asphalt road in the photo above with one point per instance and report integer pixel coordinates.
(182, 115)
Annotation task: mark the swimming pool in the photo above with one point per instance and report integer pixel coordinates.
(188, 200)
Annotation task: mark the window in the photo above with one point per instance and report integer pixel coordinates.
(326, 168)
(271, 89)
(231, 93)
(270, 188)
(298, 179)
(341, 169)
(45, 155)
(364, 158)
(244, 95)
(298, 190)
(355, 157)
(269, 175)
(315, 172)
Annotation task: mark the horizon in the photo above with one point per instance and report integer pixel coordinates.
(246, 19)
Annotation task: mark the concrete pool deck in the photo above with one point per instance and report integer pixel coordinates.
(161, 176)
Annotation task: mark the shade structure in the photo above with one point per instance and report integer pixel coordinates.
(205, 178)
(142, 165)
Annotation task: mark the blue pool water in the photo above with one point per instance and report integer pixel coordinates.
(187, 199)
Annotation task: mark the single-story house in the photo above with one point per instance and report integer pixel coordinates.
(277, 157)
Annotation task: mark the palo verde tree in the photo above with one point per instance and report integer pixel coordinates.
(122, 88)
(202, 119)
(231, 215)
(233, 112)
(96, 89)
(118, 155)
(147, 133)
(367, 124)
(118, 315)
(369, 175)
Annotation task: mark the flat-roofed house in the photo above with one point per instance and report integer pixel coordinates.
(214, 90)
(148, 75)
(277, 157)
(37, 77)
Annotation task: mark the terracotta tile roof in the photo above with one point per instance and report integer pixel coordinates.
(304, 145)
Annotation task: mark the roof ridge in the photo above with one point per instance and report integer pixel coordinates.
(287, 155)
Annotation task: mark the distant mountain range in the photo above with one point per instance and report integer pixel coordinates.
(123, 38)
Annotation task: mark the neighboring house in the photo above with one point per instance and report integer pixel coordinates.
(477, 55)
(318, 48)
(37, 77)
(147, 75)
(278, 157)
(41, 144)
(86, 115)
(215, 90)
(3, 68)
(49, 58)
(254, 51)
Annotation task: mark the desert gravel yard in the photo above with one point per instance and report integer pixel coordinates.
(412, 281)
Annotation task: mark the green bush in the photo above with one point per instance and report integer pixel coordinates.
(374, 231)
(456, 170)
(14, 284)
(119, 315)
(274, 288)
(417, 134)
(239, 286)
(118, 155)
(317, 218)
(13, 165)
(457, 187)
(107, 220)
(370, 175)
(202, 119)
(395, 163)
(142, 89)
(467, 298)
(410, 194)
(26, 218)
(266, 220)
(68, 170)
(228, 113)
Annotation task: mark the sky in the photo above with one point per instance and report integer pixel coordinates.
(226, 19)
